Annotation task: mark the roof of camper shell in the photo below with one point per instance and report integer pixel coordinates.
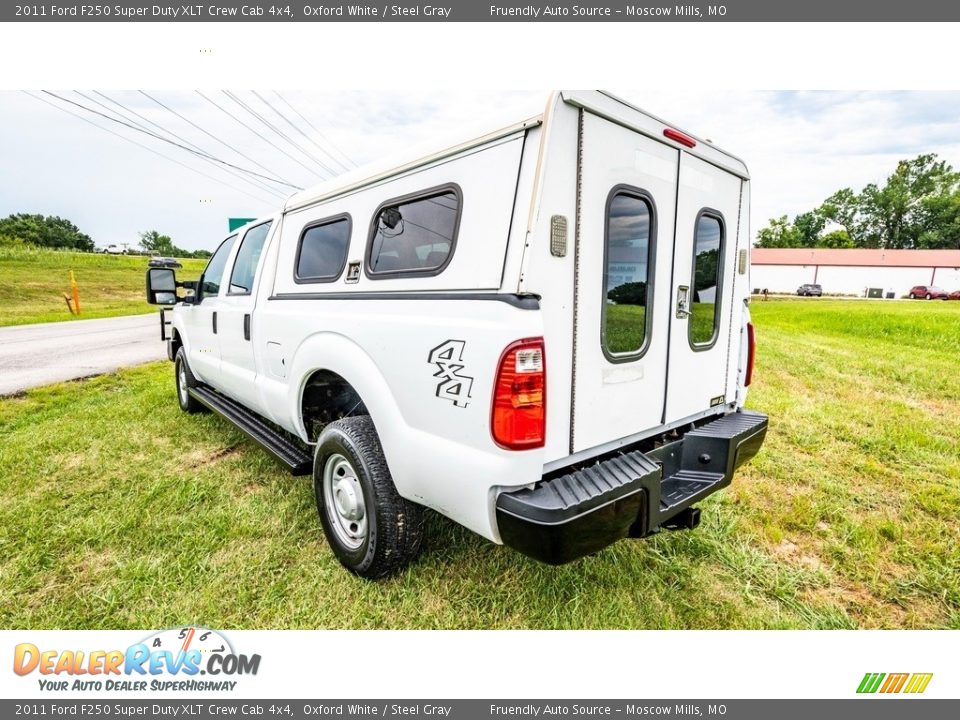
(490, 130)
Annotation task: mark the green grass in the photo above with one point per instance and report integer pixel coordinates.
(33, 281)
(120, 511)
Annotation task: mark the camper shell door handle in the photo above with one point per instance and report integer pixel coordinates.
(683, 302)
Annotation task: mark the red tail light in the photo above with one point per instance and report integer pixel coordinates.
(519, 414)
(680, 137)
(751, 354)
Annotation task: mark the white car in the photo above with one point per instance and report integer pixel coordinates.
(115, 250)
(541, 332)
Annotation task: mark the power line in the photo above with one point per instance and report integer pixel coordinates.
(259, 135)
(253, 182)
(148, 149)
(301, 132)
(211, 135)
(279, 132)
(314, 128)
(154, 135)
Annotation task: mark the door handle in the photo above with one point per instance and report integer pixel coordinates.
(214, 322)
(683, 302)
(246, 326)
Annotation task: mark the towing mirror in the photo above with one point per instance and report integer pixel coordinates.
(161, 286)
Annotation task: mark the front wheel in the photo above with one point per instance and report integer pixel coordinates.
(913, 296)
(371, 529)
(929, 296)
(185, 380)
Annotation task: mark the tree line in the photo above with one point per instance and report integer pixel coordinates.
(57, 233)
(917, 207)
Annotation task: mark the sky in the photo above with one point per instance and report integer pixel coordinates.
(800, 147)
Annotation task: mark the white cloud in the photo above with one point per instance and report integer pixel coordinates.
(800, 147)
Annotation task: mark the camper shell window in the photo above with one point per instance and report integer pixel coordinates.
(629, 251)
(708, 248)
(415, 234)
(322, 250)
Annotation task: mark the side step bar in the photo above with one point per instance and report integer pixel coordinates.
(256, 428)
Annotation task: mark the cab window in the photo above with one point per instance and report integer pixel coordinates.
(213, 273)
(248, 257)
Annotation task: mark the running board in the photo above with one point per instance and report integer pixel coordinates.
(257, 429)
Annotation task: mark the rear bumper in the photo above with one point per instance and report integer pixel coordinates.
(631, 494)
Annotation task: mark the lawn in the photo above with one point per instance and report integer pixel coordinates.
(33, 281)
(120, 511)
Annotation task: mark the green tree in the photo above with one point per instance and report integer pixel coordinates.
(154, 242)
(779, 233)
(836, 239)
(46, 231)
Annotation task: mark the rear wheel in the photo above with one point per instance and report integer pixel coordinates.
(929, 296)
(185, 380)
(913, 296)
(371, 529)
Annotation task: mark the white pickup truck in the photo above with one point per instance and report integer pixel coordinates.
(541, 332)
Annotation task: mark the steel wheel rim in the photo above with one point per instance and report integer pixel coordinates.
(343, 501)
(182, 383)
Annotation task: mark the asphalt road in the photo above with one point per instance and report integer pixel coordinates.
(34, 355)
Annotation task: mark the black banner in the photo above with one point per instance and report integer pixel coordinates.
(489, 11)
(201, 708)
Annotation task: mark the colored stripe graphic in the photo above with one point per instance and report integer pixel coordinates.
(894, 683)
(870, 682)
(918, 683)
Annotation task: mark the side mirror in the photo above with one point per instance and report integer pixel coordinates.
(161, 286)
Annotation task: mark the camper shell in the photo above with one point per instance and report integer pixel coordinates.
(541, 332)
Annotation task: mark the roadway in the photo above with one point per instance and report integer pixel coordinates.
(35, 355)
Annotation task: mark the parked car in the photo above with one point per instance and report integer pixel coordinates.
(955, 295)
(928, 292)
(390, 332)
(810, 289)
(164, 262)
(115, 250)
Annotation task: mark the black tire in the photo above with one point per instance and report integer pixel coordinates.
(912, 296)
(929, 296)
(183, 375)
(393, 526)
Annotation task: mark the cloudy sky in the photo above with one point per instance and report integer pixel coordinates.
(800, 146)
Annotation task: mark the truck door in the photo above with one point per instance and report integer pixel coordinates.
(704, 259)
(202, 318)
(238, 370)
(628, 185)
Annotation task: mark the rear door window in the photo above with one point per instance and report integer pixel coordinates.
(213, 273)
(414, 235)
(707, 278)
(248, 257)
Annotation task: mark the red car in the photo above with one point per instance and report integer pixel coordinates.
(928, 292)
(955, 295)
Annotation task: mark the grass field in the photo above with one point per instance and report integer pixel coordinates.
(120, 511)
(33, 281)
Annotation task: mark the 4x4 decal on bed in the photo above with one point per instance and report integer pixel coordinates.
(455, 387)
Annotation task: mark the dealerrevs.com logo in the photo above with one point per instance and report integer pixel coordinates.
(892, 683)
(172, 659)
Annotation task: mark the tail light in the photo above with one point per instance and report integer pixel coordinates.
(751, 354)
(519, 414)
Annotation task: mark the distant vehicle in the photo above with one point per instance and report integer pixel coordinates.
(164, 262)
(928, 292)
(955, 295)
(810, 289)
(115, 250)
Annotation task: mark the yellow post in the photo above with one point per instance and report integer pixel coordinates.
(76, 293)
